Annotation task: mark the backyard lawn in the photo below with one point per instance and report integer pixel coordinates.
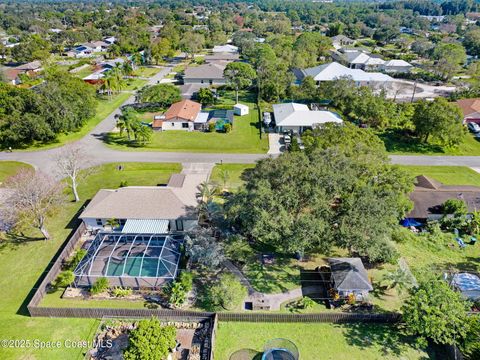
(448, 175)
(28, 258)
(9, 168)
(104, 108)
(244, 137)
(146, 71)
(401, 145)
(319, 341)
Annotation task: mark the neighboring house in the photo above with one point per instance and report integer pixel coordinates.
(110, 40)
(183, 115)
(298, 117)
(207, 74)
(225, 49)
(429, 196)
(81, 51)
(350, 277)
(470, 109)
(97, 46)
(142, 209)
(334, 71)
(230, 57)
(340, 41)
(397, 66)
(31, 68)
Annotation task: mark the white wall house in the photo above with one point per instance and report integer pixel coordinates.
(298, 117)
(142, 209)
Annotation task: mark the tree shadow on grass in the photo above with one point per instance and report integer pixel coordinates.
(390, 339)
(12, 241)
(116, 139)
(402, 141)
(72, 224)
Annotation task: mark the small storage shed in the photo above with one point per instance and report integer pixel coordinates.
(241, 109)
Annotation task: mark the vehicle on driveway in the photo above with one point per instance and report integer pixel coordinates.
(473, 127)
(267, 118)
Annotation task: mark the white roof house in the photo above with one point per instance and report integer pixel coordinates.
(225, 49)
(335, 71)
(298, 117)
(397, 66)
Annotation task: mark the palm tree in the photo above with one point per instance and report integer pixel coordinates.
(127, 68)
(142, 133)
(108, 83)
(399, 279)
(127, 122)
(113, 223)
(224, 176)
(206, 191)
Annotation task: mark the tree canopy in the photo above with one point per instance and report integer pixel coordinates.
(335, 194)
(163, 95)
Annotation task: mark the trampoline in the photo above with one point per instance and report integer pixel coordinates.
(132, 260)
(280, 349)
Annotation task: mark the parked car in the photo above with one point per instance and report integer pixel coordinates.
(267, 118)
(473, 127)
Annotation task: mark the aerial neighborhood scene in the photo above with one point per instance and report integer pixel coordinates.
(240, 180)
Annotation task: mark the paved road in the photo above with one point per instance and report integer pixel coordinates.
(101, 154)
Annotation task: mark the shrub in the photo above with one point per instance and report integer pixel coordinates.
(306, 303)
(100, 286)
(227, 293)
(454, 206)
(123, 183)
(76, 258)
(211, 126)
(64, 279)
(121, 292)
(227, 128)
(177, 291)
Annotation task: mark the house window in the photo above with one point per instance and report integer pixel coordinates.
(173, 124)
(185, 125)
(99, 222)
(201, 81)
(211, 82)
(179, 225)
(122, 222)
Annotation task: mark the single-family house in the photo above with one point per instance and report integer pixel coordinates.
(298, 117)
(183, 115)
(358, 59)
(225, 49)
(230, 57)
(470, 109)
(429, 196)
(334, 71)
(397, 66)
(349, 277)
(110, 40)
(12, 74)
(81, 51)
(143, 209)
(340, 41)
(206, 74)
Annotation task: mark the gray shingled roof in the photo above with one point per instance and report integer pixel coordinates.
(349, 274)
(147, 202)
(213, 70)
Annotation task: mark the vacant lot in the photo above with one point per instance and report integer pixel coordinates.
(319, 341)
(29, 256)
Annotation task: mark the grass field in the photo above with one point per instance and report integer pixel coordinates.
(319, 341)
(134, 84)
(448, 175)
(145, 71)
(87, 70)
(401, 145)
(27, 259)
(9, 168)
(234, 174)
(244, 137)
(104, 108)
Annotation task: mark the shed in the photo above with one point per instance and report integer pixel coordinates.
(350, 277)
(241, 109)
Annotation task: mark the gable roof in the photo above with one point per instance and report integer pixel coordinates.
(469, 106)
(335, 71)
(137, 202)
(212, 70)
(429, 196)
(349, 274)
(341, 38)
(185, 109)
(225, 48)
(33, 65)
(398, 62)
(294, 114)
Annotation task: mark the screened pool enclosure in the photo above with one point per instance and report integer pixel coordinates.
(131, 260)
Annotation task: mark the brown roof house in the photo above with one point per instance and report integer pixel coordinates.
(145, 209)
(429, 196)
(183, 115)
(470, 109)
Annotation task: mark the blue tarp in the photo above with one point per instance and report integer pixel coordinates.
(410, 222)
(468, 285)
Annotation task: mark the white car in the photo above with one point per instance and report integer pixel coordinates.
(473, 127)
(267, 118)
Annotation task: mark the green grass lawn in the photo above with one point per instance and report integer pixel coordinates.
(234, 174)
(9, 168)
(244, 137)
(145, 71)
(22, 263)
(448, 175)
(104, 108)
(134, 84)
(401, 145)
(319, 341)
(87, 70)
